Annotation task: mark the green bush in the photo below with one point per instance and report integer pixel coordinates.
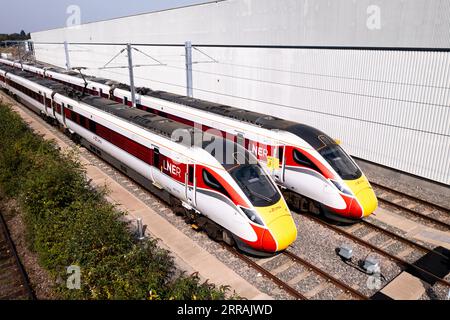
(69, 223)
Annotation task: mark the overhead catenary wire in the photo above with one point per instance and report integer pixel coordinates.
(317, 89)
(196, 47)
(335, 76)
(306, 109)
(263, 46)
(287, 84)
(113, 58)
(292, 107)
(148, 56)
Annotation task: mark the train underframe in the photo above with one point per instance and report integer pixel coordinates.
(305, 205)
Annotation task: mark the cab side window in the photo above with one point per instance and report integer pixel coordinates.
(302, 160)
(212, 182)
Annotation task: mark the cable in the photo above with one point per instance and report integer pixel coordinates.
(297, 108)
(335, 76)
(254, 46)
(205, 54)
(358, 267)
(112, 59)
(319, 89)
(270, 69)
(291, 85)
(149, 56)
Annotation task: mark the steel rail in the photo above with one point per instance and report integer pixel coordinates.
(415, 213)
(376, 249)
(266, 273)
(410, 197)
(402, 239)
(12, 249)
(322, 273)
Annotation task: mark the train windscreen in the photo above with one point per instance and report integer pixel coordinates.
(256, 185)
(341, 162)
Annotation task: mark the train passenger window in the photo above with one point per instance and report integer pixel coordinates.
(92, 126)
(125, 101)
(156, 157)
(82, 121)
(212, 182)
(191, 174)
(302, 160)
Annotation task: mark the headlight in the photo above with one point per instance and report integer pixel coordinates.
(342, 188)
(253, 216)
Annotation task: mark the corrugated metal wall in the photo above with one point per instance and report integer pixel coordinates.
(388, 106)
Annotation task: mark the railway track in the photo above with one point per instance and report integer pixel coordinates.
(382, 251)
(275, 274)
(14, 283)
(436, 214)
(402, 239)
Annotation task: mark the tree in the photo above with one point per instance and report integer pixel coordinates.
(15, 36)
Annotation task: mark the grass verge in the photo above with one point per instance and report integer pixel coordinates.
(69, 223)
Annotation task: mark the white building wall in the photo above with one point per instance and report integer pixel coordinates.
(387, 106)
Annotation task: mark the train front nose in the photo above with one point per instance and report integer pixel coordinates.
(365, 195)
(281, 229)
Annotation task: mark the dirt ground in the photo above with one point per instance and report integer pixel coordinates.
(40, 280)
(13, 51)
(17, 53)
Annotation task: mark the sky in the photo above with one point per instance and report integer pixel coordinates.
(40, 15)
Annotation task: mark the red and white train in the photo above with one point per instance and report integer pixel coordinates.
(233, 200)
(312, 168)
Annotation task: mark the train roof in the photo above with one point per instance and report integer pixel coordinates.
(155, 123)
(53, 85)
(310, 134)
(170, 129)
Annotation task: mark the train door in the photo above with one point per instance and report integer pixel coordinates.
(156, 167)
(278, 165)
(240, 139)
(53, 104)
(46, 105)
(191, 185)
(63, 114)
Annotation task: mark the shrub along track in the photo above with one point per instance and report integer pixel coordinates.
(59, 205)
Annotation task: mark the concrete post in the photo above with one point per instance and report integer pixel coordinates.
(130, 68)
(189, 81)
(140, 229)
(66, 49)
